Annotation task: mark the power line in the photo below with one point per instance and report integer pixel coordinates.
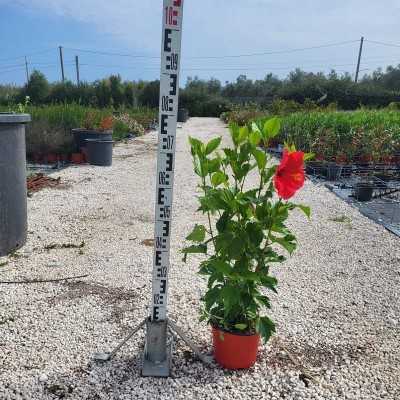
(104, 53)
(218, 57)
(10, 66)
(275, 52)
(12, 70)
(26, 55)
(383, 43)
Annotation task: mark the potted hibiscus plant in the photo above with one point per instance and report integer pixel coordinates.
(244, 231)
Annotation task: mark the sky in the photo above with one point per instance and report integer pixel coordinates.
(221, 38)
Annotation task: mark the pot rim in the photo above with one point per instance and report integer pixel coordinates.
(99, 141)
(247, 334)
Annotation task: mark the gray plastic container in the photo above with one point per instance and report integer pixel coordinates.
(13, 196)
(99, 152)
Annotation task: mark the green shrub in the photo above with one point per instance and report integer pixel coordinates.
(50, 129)
(372, 133)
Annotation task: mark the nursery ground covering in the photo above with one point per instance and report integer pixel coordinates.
(337, 308)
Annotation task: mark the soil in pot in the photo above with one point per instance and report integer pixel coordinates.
(235, 351)
(363, 191)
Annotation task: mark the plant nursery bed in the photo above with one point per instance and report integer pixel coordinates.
(384, 205)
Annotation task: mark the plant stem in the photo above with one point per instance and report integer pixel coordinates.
(208, 215)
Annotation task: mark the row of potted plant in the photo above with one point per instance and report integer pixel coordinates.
(246, 236)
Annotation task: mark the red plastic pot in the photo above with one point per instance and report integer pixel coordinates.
(37, 158)
(235, 351)
(51, 158)
(64, 157)
(77, 158)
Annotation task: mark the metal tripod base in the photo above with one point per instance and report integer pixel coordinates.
(157, 350)
(157, 355)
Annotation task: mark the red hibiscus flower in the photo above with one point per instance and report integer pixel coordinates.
(289, 176)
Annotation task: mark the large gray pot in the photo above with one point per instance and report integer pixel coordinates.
(99, 152)
(13, 196)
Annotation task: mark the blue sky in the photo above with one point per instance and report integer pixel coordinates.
(211, 28)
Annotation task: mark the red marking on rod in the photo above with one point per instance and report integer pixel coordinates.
(175, 14)
(177, 3)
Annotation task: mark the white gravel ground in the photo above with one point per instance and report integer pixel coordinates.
(338, 309)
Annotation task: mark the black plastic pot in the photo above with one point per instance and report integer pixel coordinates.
(99, 152)
(347, 170)
(183, 115)
(333, 171)
(315, 168)
(81, 135)
(363, 191)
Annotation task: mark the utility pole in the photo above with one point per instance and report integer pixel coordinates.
(359, 59)
(77, 70)
(62, 63)
(27, 71)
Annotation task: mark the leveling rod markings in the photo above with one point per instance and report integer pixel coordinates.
(169, 93)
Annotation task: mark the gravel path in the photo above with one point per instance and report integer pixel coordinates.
(338, 309)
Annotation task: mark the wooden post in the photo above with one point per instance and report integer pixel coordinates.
(77, 70)
(359, 59)
(62, 64)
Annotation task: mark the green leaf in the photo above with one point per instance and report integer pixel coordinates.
(234, 131)
(213, 165)
(271, 128)
(290, 147)
(211, 297)
(255, 233)
(308, 156)
(264, 301)
(269, 282)
(222, 222)
(218, 178)
(254, 138)
(196, 145)
(255, 128)
(265, 327)
(198, 234)
(286, 242)
(229, 298)
(261, 158)
(306, 210)
(221, 266)
(240, 327)
(243, 134)
(195, 249)
(199, 249)
(212, 145)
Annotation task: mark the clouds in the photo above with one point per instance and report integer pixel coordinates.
(132, 23)
(219, 27)
(225, 26)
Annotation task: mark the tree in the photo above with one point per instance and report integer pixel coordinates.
(150, 94)
(117, 90)
(38, 87)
